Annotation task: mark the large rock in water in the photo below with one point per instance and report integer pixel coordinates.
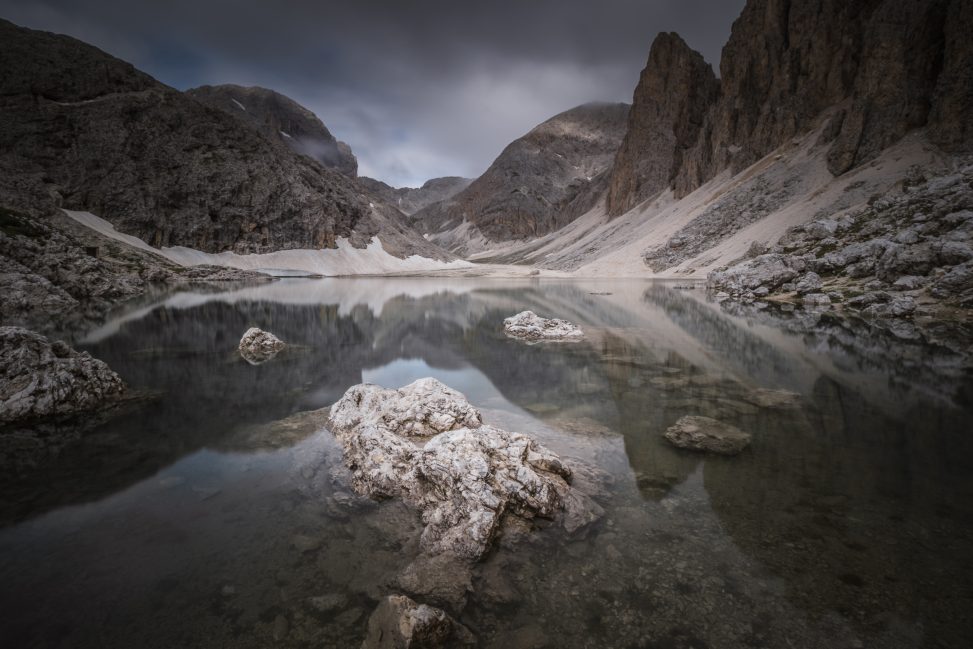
(464, 479)
(40, 379)
(697, 433)
(529, 326)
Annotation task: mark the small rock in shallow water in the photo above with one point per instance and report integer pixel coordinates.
(258, 346)
(328, 603)
(398, 622)
(527, 325)
(697, 433)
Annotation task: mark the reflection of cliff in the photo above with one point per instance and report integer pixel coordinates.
(207, 392)
(836, 501)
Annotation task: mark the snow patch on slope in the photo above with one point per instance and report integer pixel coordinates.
(345, 260)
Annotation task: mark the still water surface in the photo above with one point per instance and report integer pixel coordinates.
(192, 519)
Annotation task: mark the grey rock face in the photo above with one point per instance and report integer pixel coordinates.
(464, 479)
(771, 270)
(541, 181)
(82, 130)
(281, 118)
(410, 200)
(40, 379)
(874, 70)
(810, 282)
(697, 433)
(676, 89)
(931, 263)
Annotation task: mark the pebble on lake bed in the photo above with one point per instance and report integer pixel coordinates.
(696, 433)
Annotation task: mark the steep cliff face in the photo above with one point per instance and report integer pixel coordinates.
(410, 200)
(541, 181)
(675, 91)
(281, 118)
(880, 67)
(82, 130)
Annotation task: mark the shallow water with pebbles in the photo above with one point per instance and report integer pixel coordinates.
(219, 512)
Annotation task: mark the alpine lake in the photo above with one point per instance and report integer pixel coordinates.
(210, 512)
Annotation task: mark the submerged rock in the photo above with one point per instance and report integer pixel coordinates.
(464, 478)
(527, 325)
(697, 433)
(398, 622)
(258, 346)
(40, 379)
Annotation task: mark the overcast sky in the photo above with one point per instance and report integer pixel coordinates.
(419, 89)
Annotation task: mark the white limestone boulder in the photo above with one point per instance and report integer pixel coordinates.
(426, 444)
(259, 346)
(529, 326)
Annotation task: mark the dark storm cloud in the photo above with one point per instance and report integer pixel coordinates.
(418, 89)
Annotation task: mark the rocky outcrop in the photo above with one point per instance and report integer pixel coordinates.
(529, 326)
(541, 181)
(674, 93)
(902, 259)
(425, 444)
(410, 200)
(281, 118)
(708, 435)
(400, 623)
(258, 346)
(82, 130)
(40, 379)
(873, 70)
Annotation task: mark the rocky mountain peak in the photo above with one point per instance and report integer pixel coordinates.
(541, 181)
(281, 118)
(674, 93)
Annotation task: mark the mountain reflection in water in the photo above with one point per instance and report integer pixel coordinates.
(205, 515)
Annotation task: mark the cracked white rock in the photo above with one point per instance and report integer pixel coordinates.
(426, 444)
(39, 378)
(530, 326)
(258, 346)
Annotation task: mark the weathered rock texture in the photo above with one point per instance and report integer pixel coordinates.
(875, 69)
(281, 118)
(258, 346)
(410, 200)
(527, 325)
(541, 181)
(697, 433)
(82, 130)
(40, 379)
(398, 622)
(904, 259)
(675, 91)
(425, 443)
